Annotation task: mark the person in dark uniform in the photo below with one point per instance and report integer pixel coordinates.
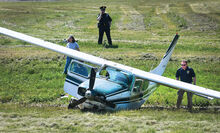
(104, 25)
(185, 74)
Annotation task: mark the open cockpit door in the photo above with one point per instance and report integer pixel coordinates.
(78, 72)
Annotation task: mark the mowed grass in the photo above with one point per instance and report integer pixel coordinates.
(15, 118)
(143, 30)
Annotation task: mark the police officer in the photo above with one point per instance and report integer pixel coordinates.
(104, 25)
(185, 74)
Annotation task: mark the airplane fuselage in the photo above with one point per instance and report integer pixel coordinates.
(118, 87)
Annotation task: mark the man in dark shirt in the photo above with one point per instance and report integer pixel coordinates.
(185, 74)
(104, 25)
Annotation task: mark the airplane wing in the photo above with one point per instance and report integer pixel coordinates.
(100, 62)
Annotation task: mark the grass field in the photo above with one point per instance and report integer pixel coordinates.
(16, 118)
(142, 29)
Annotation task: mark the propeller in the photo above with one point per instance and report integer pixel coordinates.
(88, 94)
(75, 102)
(92, 79)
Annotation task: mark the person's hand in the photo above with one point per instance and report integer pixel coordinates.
(99, 17)
(65, 41)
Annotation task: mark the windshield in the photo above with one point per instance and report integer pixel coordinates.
(117, 76)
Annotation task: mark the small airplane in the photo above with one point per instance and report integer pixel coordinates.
(96, 83)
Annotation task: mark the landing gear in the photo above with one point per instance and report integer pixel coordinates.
(72, 104)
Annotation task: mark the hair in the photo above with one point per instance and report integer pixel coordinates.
(73, 39)
(185, 61)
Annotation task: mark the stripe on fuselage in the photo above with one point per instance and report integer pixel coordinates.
(73, 79)
(71, 82)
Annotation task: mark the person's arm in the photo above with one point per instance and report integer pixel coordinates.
(110, 20)
(77, 46)
(110, 24)
(99, 17)
(194, 76)
(194, 80)
(177, 75)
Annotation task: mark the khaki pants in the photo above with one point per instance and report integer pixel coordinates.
(180, 98)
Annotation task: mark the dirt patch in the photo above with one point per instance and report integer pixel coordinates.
(27, 60)
(131, 19)
(172, 108)
(200, 18)
(204, 59)
(201, 22)
(8, 23)
(205, 7)
(200, 8)
(162, 9)
(198, 59)
(147, 56)
(16, 46)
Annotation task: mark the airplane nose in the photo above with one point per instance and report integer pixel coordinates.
(88, 94)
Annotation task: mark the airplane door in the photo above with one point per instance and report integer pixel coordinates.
(78, 72)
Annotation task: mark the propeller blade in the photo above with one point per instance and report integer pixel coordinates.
(73, 103)
(92, 79)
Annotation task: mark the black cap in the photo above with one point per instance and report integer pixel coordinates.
(102, 7)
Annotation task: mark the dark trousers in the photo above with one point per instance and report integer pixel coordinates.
(107, 32)
(180, 97)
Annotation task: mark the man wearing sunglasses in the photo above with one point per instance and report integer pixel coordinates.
(185, 74)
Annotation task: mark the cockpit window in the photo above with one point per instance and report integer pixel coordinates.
(80, 69)
(117, 76)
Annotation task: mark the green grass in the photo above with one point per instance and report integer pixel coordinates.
(39, 78)
(31, 79)
(16, 118)
(34, 75)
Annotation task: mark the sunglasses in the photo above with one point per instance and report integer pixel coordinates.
(183, 64)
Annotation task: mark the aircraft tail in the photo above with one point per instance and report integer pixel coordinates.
(159, 70)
